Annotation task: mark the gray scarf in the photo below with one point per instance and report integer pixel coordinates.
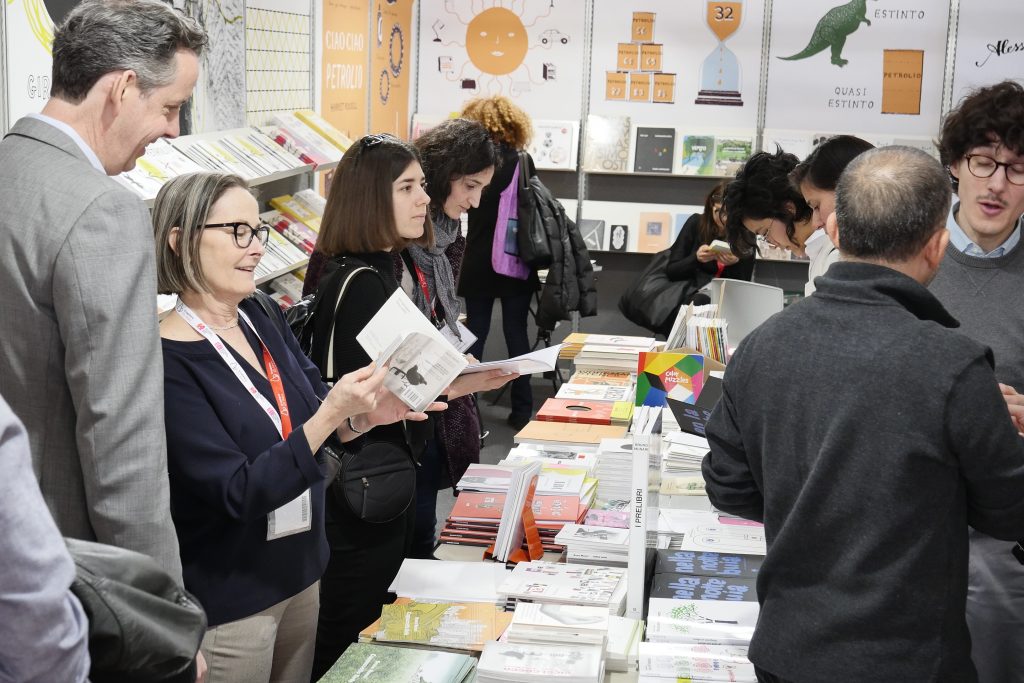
(437, 270)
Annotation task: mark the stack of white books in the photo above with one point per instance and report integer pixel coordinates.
(595, 544)
(597, 357)
(703, 622)
(510, 528)
(683, 453)
(692, 662)
(622, 651)
(443, 581)
(533, 662)
(565, 584)
(614, 469)
(710, 531)
(551, 457)
(543, 623)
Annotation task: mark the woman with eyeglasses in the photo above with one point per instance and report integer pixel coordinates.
(761, 202)
(246, 415)
(816, 178)
(693, 258)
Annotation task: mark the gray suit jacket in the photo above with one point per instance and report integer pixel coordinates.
(80, 359)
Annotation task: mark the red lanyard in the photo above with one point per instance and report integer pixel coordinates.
(423, 284)
(274, 377)
(721, 267)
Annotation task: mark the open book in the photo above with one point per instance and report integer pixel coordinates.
(421, 362)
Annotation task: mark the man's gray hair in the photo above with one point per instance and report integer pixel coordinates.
(889, 202)
(101, 36)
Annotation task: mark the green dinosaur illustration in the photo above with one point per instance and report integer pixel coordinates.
(833, 29)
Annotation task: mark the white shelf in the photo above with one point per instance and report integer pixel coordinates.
(282, 271)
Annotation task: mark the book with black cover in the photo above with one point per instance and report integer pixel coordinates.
(687, 587)
(654, 147)
(693, 417)
(732, 565)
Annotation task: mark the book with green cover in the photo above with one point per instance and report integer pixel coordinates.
(369, 662)
(731, 154)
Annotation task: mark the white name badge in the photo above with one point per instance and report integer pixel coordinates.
(291, 518)
(468, 338)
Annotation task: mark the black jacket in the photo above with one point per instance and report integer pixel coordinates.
(478, 278)
(866, 436)
(683, 263)
(569, 285)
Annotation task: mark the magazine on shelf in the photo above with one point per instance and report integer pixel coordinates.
(161, 162)
(421, 362)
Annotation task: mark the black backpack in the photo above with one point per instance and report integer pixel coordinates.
(534, 215)
(303, 316)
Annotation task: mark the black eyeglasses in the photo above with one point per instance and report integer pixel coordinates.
(244, 233)
(982, 166)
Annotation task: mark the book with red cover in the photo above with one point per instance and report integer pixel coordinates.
(473, 506)
(578, 411)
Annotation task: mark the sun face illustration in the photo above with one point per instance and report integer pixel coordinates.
(497, 38)
(496, 41)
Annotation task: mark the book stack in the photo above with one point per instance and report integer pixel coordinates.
(443, 581)
(296, 232)
(606, 546)
(703, 622)
(438, 626)
(279, 257)
(289, 131)
(709, 336)
(697, 663)
(557, 624)
(708, 563)
(609, 513)
(474, 519)
(710, 531)
(572, 344)
(298, 210)
(161, 162)
(518, 502)
(565, 584)
(574, 410)
(522, 663)
(245, 152)
(612, 353)
(370, 662)
(690, 587)
(624, 635)
(582, 437)
(594, 392)
(614, 472)
(683, 453)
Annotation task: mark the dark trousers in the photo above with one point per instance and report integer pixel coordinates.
(515, 312)
(365, 559)
(428, 481)
(765, 677)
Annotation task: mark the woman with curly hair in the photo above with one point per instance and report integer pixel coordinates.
(479, 284)
(458, 160)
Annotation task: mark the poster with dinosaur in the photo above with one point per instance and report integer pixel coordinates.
(989, 45)
(691, 65)
(864, 66)
(530, 51)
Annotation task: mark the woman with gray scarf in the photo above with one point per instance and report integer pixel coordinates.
(459, 161)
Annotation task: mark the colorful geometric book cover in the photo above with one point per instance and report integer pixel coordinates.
(666, 375)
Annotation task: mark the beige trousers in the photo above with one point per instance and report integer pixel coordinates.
(272, 646)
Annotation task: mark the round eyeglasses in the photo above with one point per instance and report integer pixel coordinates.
(244, 233)
(982, 166)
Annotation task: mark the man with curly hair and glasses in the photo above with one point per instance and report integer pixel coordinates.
(980, 283)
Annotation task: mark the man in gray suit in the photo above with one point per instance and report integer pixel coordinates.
(80, 360)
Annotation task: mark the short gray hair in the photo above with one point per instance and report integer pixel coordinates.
(184, 202)
(101, 36)
(889, 202)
